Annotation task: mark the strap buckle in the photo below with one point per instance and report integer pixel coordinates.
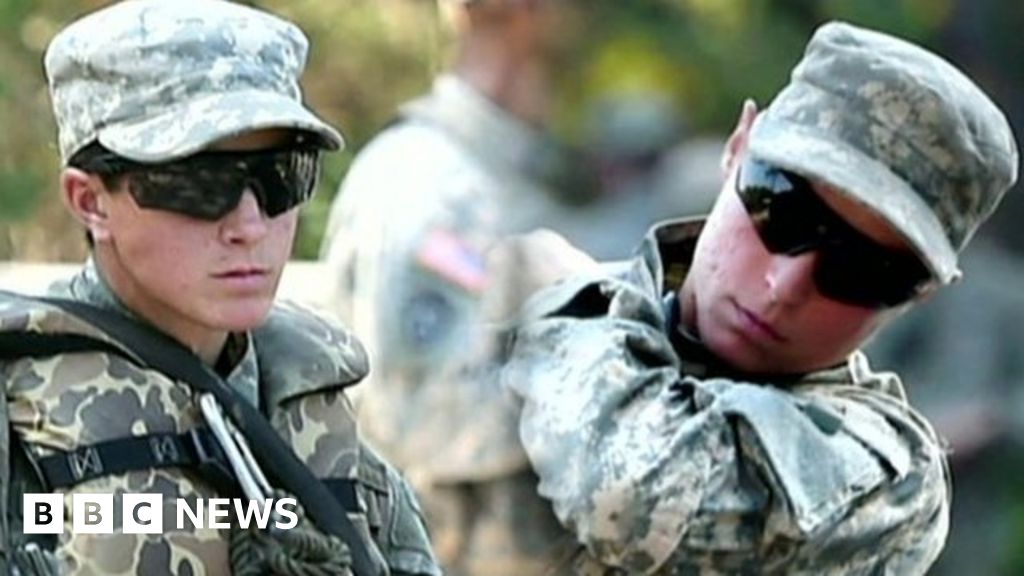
(211, 461)
(84, 462)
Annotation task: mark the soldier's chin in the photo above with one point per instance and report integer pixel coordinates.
(243, 316)
(738, 352)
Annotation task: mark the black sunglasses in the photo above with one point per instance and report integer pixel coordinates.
(791, 218)
(209, 185)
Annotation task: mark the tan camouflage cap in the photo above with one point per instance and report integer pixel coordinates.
(156, 80)
(897, 128)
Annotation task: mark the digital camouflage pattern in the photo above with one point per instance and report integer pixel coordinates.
(154, 80)
(297, 364)
(658, 471)
(413, 248)
(898, 128)
(964, 345)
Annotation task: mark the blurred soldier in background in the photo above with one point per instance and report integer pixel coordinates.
(411, 243)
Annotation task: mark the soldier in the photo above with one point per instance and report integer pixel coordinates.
(703, 408)
(412, 244)
(186, 153)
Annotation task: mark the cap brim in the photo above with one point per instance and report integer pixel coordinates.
(861, 178)
(188, 127)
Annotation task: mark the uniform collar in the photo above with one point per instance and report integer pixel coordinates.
(89, 286)
(667, 251)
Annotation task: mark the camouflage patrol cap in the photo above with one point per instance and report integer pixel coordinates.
(156, 80)
(898, 129)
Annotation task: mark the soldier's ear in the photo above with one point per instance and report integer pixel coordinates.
(85, 197)
(737, 143)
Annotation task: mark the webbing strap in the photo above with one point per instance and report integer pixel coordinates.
(344, 491)
(165, 355)
(196, 448)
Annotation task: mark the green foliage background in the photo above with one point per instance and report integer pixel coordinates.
(370, 55)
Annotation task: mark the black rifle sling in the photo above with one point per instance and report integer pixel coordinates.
(163, 354)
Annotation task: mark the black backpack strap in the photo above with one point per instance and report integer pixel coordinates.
(344, 491)
(196, 449)
(165, 355)
(14, 345)
(25, 478)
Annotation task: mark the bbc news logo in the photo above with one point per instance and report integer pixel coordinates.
(144, 513)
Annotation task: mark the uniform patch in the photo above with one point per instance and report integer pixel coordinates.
(454, 259)
(428, 318)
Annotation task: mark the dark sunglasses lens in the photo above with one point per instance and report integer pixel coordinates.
(869, 276)
(786, 213)
(209, 187)
(205, 194)
(790, 218)
(287, 179)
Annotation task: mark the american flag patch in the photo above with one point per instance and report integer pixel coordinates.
(454, 259)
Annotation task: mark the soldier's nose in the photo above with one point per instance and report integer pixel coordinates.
(246, 223)
(790, 279)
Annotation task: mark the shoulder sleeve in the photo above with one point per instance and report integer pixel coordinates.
(400, 530)
(406, 247)
(302, 351)
(649, 469)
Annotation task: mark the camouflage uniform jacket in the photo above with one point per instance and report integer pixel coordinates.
(407, 244)
(297, 365)
(662, 463)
